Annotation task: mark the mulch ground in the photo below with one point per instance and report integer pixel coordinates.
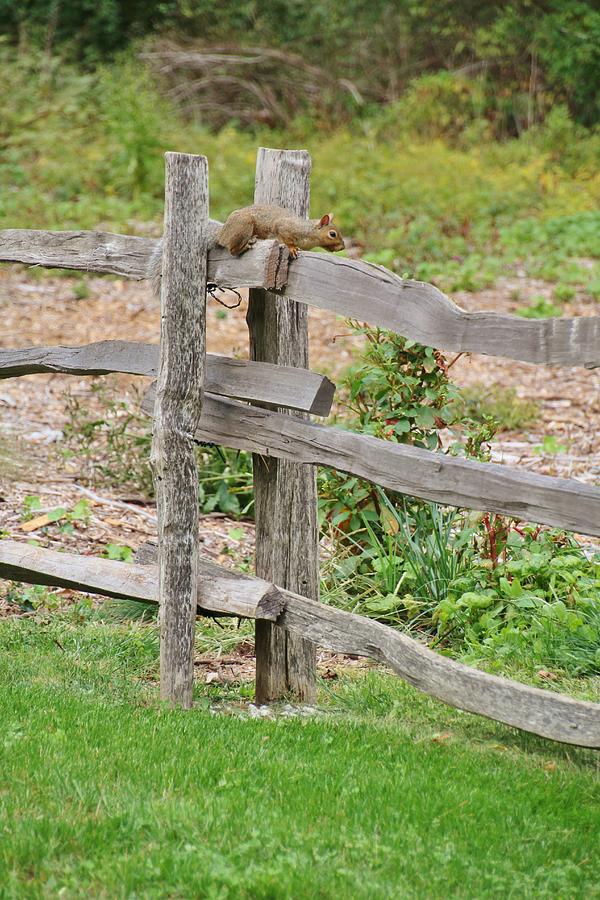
(44, 310)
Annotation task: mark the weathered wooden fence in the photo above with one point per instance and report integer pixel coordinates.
(262, 405)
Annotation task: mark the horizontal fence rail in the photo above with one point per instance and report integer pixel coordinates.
(222, 591)
(283, 386)
(122, 254)
(422, 313)
(350, 288)
(448, 480)
(549, 715)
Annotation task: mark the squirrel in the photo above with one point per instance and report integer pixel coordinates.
(245, 226)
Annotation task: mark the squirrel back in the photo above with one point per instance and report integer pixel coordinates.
(244, 226)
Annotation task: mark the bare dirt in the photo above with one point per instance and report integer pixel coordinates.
(45, 310)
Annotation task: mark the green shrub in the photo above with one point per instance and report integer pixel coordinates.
(517, 62)
(501, 404)
(539, 308)
(443, 105)
(401, 392)
(539, 606)
(478, 586)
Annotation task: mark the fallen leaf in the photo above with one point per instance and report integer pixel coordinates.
(550, 767)
(330, 675)
(441, 737)
(39, 522)
(548, 676)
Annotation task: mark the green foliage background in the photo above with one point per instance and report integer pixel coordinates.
(83, 149)
(527, 50)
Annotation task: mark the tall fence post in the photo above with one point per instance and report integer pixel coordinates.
(177, 414)
(285, 493)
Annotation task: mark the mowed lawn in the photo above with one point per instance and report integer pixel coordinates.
(104, 792)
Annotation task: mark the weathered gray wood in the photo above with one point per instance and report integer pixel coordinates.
(350, 288)
(100, 358)
(238, 378)
(285, 494)
(421, 312)
(177, 413)
(550, 715)
(121, 254)
(561, 502)
(219, 591)
(90, 251)
(540, 712)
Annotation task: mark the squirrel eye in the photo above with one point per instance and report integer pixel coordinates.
(333, 234)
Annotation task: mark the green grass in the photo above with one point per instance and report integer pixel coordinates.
(106, 793)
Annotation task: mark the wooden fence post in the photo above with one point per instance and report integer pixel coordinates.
(285, 493)
(177, 414)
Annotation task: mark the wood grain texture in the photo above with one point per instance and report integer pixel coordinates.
(350, 288)
(237, 378)
(561, 502)
(544, 713)
(540, 712)
(121, 254)
(177, 412)
(421, 312)
(285, 493)
(220, 591)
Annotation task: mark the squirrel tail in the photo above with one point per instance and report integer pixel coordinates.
(154, 270)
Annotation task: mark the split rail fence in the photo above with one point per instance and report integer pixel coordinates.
(263, 405)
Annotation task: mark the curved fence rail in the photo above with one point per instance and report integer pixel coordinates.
(353, 289)
(350, 288)
(452, 481)
(549, 715)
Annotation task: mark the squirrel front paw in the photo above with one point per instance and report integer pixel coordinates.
(293, 251)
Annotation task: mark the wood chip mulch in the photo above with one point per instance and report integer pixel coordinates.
(37, 310)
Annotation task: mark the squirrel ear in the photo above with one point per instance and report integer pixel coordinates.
(325, 220)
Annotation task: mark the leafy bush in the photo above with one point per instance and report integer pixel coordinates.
(501, 404)
(523, 59)
(538, 606)
(477, 586)
(400, 391)
(443, 105)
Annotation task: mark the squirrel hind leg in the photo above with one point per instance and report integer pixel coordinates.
(241, 240)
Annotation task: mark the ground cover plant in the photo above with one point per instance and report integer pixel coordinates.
(111, 438)
(103, 791)
(488, 589)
